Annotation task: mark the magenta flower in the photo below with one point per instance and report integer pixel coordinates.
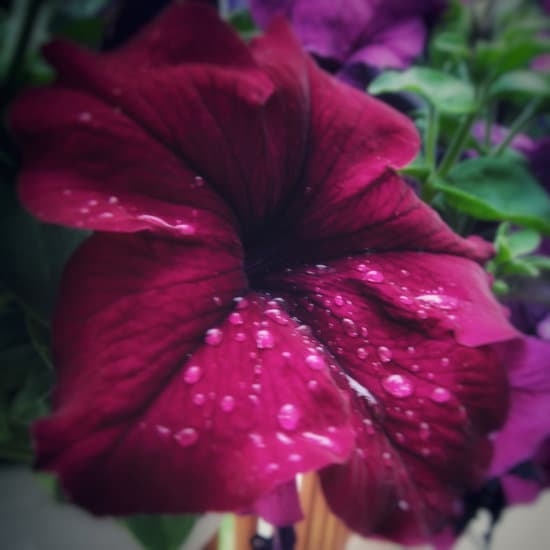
(356, 34)
(263, 295)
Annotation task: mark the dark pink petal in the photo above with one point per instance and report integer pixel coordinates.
(118, 178)
(528, 423)
(352, 199)
(171, 399)
(401, 326)
(281, 506)
(201, 107)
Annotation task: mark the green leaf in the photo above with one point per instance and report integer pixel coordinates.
(449, 95)
(497, 189)
(518, 266)
(540, 262)
(520, 86)
(243, 23)
(160, 532)
(450, 43)
(500, 56)
(523, 242)
(32, 254)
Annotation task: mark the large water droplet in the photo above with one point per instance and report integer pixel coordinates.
(227, 403)
(236, 318)
(398, 385)
(315, 362)
(385, 354)
(186, 437)
(198, 181)
(288, 416)
(361, 353)
(264, 339)
(338, 300)
(440, 395)
(192, 374)
(214, 337)
(441, 301)
(374, 276)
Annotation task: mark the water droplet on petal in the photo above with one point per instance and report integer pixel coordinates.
(277, 316)
(199, 399)
(85, 116)
(257, 439)
(445, 361)
(192, 374)
(240, 337)
(374, 276)
(361, 353)
(271, 467)
(288, 416)
(163, 431)
(315, 362)
(440, 395)
(186, 437)
(264, 339)
(294, 457)
(338, 300)
(404, 299)
(349, 327)
(236, 318)
(242, 303)
(385, 354)
(422, 314)
(217, 300)
(440, 301)
(361, 268)
(313, 385)
(398, 385)
(112, 200)
(227, 403)
(214, 337)
(403, 505)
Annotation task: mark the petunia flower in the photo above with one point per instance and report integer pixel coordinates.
(263, 295)
(356, 35)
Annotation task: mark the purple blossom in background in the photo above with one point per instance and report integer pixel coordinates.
(355, 35)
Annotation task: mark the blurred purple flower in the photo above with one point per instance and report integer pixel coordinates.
(355, 35)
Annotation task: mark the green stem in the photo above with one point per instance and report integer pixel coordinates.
(491, 115)
(457, 145)
(432, 131)
(521, 121)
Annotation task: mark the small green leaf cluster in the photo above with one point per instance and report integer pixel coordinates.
(479, 70)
